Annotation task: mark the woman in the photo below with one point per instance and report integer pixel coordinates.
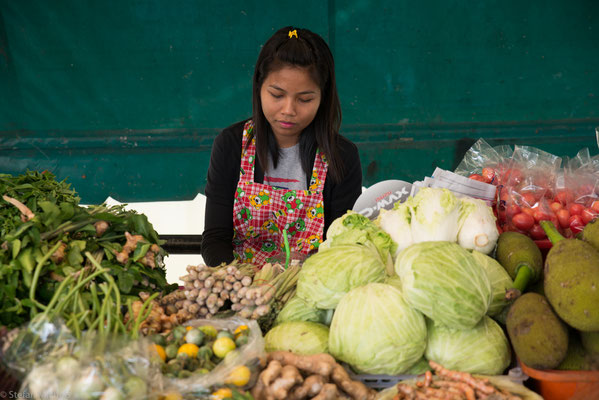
(287, 169)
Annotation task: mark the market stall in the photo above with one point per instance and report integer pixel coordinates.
(446, 292)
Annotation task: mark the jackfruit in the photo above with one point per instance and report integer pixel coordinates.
(538, 336)
(572, 280)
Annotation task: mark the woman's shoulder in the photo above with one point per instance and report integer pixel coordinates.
(346, 147)
(232, 134)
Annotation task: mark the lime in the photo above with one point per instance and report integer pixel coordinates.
(190, 349)
(222, 346)
(208, 330)
(240, 376)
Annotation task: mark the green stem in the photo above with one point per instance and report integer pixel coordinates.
(524, 275)
(37, 271)
(143, 315)
(287, 251)
(62, 303)
(552, 233)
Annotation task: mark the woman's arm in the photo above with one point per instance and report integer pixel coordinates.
(221, 181)
(341, 196)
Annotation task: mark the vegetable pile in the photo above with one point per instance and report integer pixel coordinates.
(448, 384)
(44, 238)
(299, 377)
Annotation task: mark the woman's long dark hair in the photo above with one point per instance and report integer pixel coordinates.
(307, 50)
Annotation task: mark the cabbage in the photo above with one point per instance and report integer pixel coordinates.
(435, 215)
(375, 331)
(299, 337)
(477, 228)
(500, 281)
(354, 228)
(327, 275)
(420, 367)
(483, 349)
(396, 223)
(444, 282)
(296, 309)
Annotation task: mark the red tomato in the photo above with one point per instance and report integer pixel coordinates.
(512, 210)
(541, 215)
(556, 206)
(488, 174)
(563, 217)
(588, 215)
(575, 208)
(529, 211)
(564, 197)
(576, 223)
(528, 199)
(477, 177)
(595, 206)
(523, 221)
(536, 232)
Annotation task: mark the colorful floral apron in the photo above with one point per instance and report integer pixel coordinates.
(261, 212)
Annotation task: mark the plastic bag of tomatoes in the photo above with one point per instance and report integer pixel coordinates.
(527, 191)
(485, 163)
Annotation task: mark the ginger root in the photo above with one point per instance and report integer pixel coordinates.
(290, 376)
(311, 387)
(321, 364)
(295, 377)
(329, 392)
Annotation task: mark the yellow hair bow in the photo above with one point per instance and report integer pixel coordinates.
(293, 33)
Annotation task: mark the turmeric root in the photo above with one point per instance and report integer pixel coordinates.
(101, 228)
(311, 387)
(130, 245)
(321, 364)
(59, 254)
(290, 376)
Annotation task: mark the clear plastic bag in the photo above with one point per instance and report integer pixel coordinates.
(485, 163)
(579, 195)
(57, 366)
(238, 370)
(526, 191)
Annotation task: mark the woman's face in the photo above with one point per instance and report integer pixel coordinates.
(290, 99)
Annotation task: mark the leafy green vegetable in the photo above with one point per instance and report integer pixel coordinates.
(354, 228)
(483, 349)
(435, 215)
(444, 282)
(297, 309)
(477, 230)
(326, 276)
(49, 247)
(376, 331)
(301, 337)
(500, 281)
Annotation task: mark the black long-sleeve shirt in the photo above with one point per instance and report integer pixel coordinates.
(223, 177)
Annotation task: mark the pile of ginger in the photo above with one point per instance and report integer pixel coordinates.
(294, 377)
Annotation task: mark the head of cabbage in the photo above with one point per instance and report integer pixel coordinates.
(329, 274)
(375, 331)
(500, 281)
(444, 282)
(300, 337)
(354, 228)
(483, 349)
(297, 309)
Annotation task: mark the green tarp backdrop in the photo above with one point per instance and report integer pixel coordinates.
(124, 98)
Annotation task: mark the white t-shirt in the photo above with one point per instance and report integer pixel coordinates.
(289, 173)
